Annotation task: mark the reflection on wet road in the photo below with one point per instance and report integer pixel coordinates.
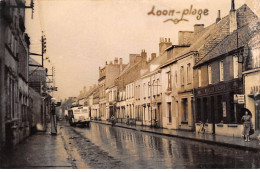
(141, 150)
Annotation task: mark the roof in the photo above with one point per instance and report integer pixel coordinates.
(209, 38)
(244, 33)
(230, 43)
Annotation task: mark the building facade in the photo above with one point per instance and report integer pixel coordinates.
(219, 78)
(107, 76)
(252, 73)
(14, 90)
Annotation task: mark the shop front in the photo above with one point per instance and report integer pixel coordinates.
(218, 109)
(252, 93)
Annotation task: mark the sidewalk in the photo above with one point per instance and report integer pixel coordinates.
(41, 150)
(236, 142)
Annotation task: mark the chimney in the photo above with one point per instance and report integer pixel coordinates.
(106, 62)
(232, 18)
(232, 6)
(198, 28)
(218, 18)
(163, 45)
(116, 61)
(121, 61)
(185, 37)
(153, 56)
(143, 54)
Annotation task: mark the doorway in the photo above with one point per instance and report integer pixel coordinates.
(257, 114)
(212, 109)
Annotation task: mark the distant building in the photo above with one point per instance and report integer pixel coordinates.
(125, 85)
(107, 76)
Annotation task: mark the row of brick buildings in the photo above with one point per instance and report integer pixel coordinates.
(23, 106)
(208, 77)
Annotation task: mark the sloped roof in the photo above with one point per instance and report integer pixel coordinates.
(230, 43)
(209, 38)
(245, 16)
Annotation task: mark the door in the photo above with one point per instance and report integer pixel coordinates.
(212, 109)
(159, 116)
(257, 114)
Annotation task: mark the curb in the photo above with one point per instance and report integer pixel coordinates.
(189, 138)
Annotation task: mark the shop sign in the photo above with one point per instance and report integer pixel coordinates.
(239, 98)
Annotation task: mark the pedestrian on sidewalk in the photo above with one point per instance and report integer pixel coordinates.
(247, 123)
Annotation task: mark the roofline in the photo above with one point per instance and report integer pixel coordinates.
(218, 57)
(177, 58)
(158, 70)
(176, 46)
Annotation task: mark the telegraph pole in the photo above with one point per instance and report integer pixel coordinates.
(43, 41)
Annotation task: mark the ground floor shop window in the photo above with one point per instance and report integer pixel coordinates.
(184, 106)
(205, 110)
(198, 116)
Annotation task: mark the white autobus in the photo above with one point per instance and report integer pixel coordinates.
(79, 115)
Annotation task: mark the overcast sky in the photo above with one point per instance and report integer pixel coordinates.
(83, 34)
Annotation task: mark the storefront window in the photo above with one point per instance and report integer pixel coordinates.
(198, 110)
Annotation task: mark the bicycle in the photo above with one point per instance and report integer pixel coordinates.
(202, 128)
(155, 123)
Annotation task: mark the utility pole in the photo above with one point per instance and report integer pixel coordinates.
(21, 5)
(43, 41)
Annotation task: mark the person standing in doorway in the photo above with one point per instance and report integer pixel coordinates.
(246, 119)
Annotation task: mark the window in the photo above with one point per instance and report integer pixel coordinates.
(158, 85)
(221, 71)
(139, 92)
(184, 110)
(133, 88)
(12, 43)
(126, 91)
(149, 89)
(182, 75)
(188, 73)
(136, 92)
(176, 75)
(199, 74)
(115, 95)
(169, 87)
(144, 91)
(235, 66)
(255, 57)
(209, 74)
(169, 112)
(154, 87)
